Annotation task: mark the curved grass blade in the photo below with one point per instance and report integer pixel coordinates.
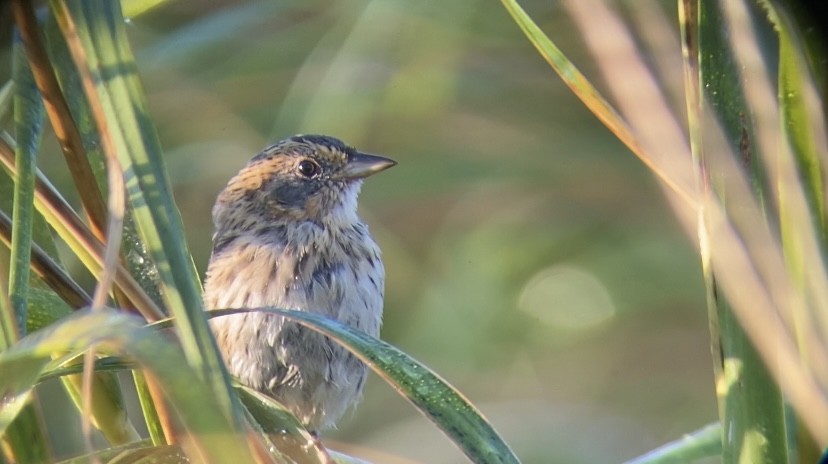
(705, 442)
(434, 397)
(99, 45)
(207, 434)
(591, 98)
(109, 363)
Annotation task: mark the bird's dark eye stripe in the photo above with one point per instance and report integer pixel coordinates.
(308, 168)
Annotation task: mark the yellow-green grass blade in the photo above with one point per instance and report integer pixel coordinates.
(102, 50)
(133, 8)
(148, 409)
(206, 433)
(590, 96)
(431, 395)
(705, 442)
(136, 255)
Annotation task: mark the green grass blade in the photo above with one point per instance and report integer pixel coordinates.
(29, 117)
(25, 436)
(750, 402)
(796, 100)
(153, 422)
(705, 442)
(209, 435)
(431, 395)
(801, 121)
(107, 56)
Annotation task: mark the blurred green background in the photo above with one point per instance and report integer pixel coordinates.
(531, 260)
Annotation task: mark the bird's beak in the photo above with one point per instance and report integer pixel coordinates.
(363, 165)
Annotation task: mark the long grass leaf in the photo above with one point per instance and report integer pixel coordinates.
(102, 49)
(430, 394)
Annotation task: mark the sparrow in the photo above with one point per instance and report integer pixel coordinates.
(287, 235)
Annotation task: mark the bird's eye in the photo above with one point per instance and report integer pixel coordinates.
(308, 168)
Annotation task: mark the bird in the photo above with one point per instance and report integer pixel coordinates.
(288, 235)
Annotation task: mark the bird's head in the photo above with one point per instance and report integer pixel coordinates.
(302, 178)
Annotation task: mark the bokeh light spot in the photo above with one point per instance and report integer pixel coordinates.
(566, 298)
